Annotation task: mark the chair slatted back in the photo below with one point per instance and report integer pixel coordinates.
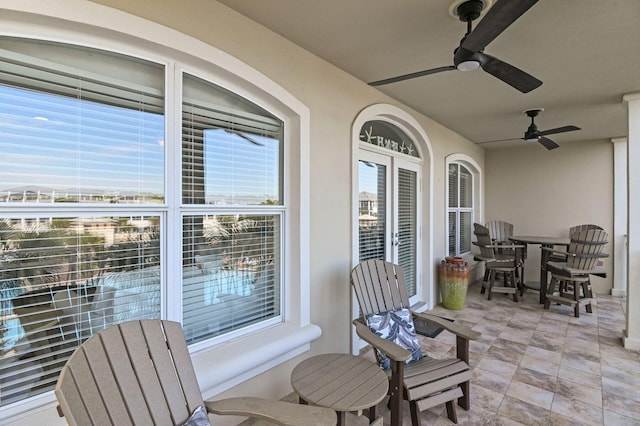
(500, 230)
(483, 239)
(138, 372)
(379, 286)
(587, 242)
(584, 227)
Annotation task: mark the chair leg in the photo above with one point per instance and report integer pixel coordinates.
(586, 290)
(415, 414)
(451, 412)
(492, 279)
(485, 279)
(396, 392)
(515, 285)
(550, 290)
(576, 298)
(465, 400)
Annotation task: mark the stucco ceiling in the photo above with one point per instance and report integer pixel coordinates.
(586, 52)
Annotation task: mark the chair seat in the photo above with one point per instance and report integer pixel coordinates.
(561, 268)
(430, 376)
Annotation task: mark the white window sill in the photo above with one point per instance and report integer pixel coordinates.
(217, 369)
(228, 364)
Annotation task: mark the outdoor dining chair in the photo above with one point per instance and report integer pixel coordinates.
(508, 264)
(499, 230)
(558, 256)
(571, 278)
(425, 382)
(140, 372)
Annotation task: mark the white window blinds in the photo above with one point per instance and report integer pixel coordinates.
(407, 226)
(66, 130)
(232, 150)
(63, 279)
(82, 137)
(233, 279)
(232, 180)
(460, 211)
(372, 210)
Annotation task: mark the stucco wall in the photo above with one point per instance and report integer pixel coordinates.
(546, 192)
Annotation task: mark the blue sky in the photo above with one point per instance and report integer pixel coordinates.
(64, 143)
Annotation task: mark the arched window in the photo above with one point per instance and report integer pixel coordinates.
(462, 203)
(136, 185)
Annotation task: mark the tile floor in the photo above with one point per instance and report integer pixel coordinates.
(541, 367)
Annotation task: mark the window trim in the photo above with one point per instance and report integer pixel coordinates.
(99, 26)
(476, 209)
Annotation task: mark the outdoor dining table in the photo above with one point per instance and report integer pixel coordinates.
(543, 241)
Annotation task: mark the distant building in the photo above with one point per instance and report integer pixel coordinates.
(368, 203)
(100, 226)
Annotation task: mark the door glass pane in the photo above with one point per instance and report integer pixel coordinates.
(372, 210)
(407, 229)
(388, 136)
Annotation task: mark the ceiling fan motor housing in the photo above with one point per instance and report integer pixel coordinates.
(470, 10)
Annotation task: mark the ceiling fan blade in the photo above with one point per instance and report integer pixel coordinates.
(243, 136)
(558, 130)
(411, 75)
(496, 20)
(499, 140)
(511, 75)
(548, 143)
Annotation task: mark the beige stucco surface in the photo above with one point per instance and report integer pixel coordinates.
(546, 192)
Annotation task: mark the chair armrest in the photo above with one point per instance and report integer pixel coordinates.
(390, 349)
(555, 251)
(589, 255)
(499, 246)
(568, 254)
(458, 330)
(281, 412)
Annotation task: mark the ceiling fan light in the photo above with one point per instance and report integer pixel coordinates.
(468, 65)
(532, 139)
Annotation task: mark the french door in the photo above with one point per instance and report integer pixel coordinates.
(388, 216)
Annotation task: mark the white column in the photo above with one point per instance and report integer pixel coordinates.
(619, 217)
(631, 335)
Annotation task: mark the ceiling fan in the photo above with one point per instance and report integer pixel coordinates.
(469, 55)
(532, 134)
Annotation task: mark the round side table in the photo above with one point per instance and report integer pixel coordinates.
(341, 382)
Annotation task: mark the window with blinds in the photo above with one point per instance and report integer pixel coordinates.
(460, 211)
(84, 214)
(82, 137)
(232, 165)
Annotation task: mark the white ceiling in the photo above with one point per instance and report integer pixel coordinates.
(586, 52)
